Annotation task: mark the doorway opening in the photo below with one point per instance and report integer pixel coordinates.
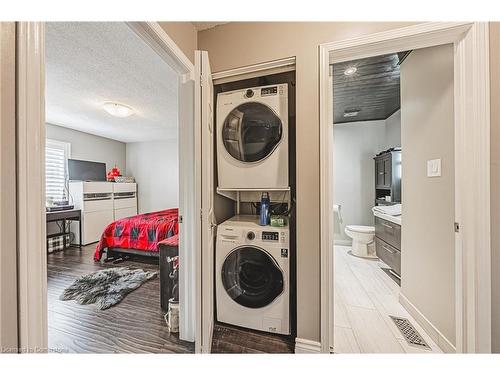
(394, 242)
(471, 226)
(31, 174)
(112, 192)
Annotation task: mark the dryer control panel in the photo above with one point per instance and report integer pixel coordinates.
(265, 91)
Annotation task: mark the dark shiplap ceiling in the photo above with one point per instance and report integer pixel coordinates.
(373, 90)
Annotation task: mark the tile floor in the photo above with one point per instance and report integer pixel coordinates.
(364, 297)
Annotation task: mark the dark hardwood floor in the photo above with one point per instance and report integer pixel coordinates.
(135, 325)
(229, 339)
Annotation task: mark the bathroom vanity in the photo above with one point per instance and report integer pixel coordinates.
(388, 240)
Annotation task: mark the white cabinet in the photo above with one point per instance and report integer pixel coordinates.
(121, 213)
(101, 203)
(124, 200)
(124, 187)
(93, 225)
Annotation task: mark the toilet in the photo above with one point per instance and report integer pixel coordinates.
(363, 244)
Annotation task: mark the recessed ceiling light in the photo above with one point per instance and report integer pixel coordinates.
(117, 109)
(350, 70)
(351, 113)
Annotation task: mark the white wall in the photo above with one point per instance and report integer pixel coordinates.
(355, 145)
(393, 130)
(86, 146)
(155, 166)
(428, 238)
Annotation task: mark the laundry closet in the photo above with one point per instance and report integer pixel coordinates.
(255, 245)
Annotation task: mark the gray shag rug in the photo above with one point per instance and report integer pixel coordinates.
(106, 287)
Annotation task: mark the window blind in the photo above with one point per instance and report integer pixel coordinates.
(56, 161)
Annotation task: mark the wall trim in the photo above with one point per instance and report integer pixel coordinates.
(472, 197)
(305, 346)
(8, 246)
(472, 167)
(208, 347)
(261, 68)
(155, 37)
(438, 337)
(31, 246)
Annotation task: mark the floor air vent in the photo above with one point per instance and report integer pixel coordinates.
(410, 333)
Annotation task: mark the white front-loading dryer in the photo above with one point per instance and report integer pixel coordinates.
(253, 275)
(252, 138)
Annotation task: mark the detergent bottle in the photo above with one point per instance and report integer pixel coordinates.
(264, 209)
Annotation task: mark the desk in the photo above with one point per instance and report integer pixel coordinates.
(66, 215)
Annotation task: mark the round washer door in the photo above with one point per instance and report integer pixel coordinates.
(251, 277)
(251, 132)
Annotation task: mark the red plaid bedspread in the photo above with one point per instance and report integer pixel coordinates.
(141, 232)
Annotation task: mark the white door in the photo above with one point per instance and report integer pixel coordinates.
(204, 143)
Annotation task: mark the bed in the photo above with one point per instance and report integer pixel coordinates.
(138, 235)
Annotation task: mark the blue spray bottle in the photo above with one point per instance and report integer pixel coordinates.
(264, 209)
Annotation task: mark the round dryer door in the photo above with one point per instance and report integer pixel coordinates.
(251, 277)
(251, 132)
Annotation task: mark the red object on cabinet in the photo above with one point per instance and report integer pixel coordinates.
(115, 172)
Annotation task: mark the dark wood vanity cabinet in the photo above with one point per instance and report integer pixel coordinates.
(388, 177)
(388, 183)
(388, 243)
(389, 255)
(383, 171)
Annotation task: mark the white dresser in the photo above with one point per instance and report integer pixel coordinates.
(124, 200)
(101, 203)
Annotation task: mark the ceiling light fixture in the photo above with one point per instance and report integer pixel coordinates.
(117, 109)
(351, 112)
(350, 70)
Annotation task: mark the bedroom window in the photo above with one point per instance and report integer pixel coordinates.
(56, 166)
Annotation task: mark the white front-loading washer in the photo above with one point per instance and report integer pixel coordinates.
(252, 138)
(253, 275)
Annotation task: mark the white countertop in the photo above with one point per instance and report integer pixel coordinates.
(392, 219)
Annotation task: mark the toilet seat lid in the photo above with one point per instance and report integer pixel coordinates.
(361, 228)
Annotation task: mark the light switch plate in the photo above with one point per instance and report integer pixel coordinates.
(434, 168)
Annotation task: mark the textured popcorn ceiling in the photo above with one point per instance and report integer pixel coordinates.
(90, 63)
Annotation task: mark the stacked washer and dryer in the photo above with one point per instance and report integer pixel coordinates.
(253, 261)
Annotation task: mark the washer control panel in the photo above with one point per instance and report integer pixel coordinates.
(270, 236)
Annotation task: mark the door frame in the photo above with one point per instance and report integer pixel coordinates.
(153, 35)
(32, 257)
(472, 167)
(204, 139)
(8, 256)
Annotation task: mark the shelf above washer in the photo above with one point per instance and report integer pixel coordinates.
(252, 189)
(253, 195)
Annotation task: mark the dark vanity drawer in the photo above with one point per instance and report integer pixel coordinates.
(389, 232)
(389, 255)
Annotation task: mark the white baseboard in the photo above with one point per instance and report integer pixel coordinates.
(445, 345)
(304, 346)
